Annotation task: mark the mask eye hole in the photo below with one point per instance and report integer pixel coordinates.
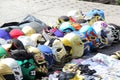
(17, 73)
(84, 40)
(27, 65)
(93, 38)
(68, 48)
(59, 49)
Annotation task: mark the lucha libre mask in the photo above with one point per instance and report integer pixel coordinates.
(67, 45)
(62, 19)
(39, 59)
(36, 38)
(28, 69)
(4, 34)
(35, 23)
(85, 42)
(3, 53)
(26, 40)
(100, 27)
(15, 33)
(75, 15)
(94, 15)
(57, 47)
(5, 72)
(6, 44)
(77, 44)
(109, 34)
(13, 45)
(91, 36)
(2, 41)
(115, 31)
(14, 66)
(69, 68)
(95, 12)
(47, 52)
(66, 27)
(27, 30)
(26, 62)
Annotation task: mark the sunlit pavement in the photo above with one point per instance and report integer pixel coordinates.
(49, 10)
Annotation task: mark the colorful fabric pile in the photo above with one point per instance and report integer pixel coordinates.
(33, 50)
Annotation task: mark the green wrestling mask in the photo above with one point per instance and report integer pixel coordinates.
(26, 62)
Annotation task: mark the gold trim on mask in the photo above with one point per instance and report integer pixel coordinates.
(4, 70)
(42, 69)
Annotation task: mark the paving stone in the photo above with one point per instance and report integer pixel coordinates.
(16, 10)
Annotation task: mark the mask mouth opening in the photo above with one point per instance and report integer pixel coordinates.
(41, 62)
(17, 75)
(21, 77)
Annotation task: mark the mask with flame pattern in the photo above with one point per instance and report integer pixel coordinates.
(91, 36)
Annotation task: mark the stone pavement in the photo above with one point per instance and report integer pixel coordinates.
(49, 10)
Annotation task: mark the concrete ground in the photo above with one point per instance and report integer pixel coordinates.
(49, 10)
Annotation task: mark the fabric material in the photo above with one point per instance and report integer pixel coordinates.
(41, 65)
(2, 41)
(12, 63)
(28, 69)
(26, 41)
(57, 32)
(47, 52)
(67, 45)
(38, 56)
(4, 34)
(37, 24)
(100, 27)
(15, 33)
(57, 48)
(91, 35)
(75, 15)
(77, 26)
(17, 44)
(36, 38)
(5, 72)
(3, 52)
(66, 27)
(77, 44)
(62, 19)
(27, 30)
(95, 12)
(26, 62)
